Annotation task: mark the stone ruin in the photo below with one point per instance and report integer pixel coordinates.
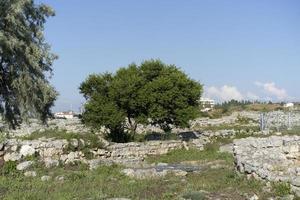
(53, 152)
(274, 159)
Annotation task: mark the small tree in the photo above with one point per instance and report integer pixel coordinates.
(25, 61)
(152, 93)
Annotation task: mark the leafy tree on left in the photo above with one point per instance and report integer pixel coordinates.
(25, 61)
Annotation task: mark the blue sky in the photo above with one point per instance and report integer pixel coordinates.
(237, 49)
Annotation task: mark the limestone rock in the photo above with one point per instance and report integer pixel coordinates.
(179, 173)
(45, 178)
(254, 197)
(60, 178)
(30, 174)
(24, 165)
(14, 156)
(74, 143)
(144, 173)
(274, 158)
(227, 148)
(49, 163)
(27, 150)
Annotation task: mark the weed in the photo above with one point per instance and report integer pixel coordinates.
(9, 168)
(281, 189)
(194, 195)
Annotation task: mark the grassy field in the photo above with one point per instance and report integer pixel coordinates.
(217, 180)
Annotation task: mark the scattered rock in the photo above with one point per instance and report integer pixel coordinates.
(13, 156)
(254, 197)
(162, 164)
(227, 148)
(278, 133)
(60, 178)
(24, 165)
(288, 197)
(30, 174)
(143, 173)
(27, 150)
(74, 143)
(179, 173)
(49, 163)
(45, 178)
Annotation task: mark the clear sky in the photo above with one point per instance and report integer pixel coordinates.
(237, 49)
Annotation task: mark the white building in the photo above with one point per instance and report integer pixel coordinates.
(65, 115)
(207, 104)
(289, 105)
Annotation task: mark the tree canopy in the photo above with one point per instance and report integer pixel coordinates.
(25, 61)
(151, 93)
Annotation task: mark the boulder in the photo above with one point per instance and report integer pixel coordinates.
(24, 165)
(27, 150)
(30, 174)
(13, 156)
(74, 142)
(227, 148)
(45, 178)
(144, 173)
(49, 163)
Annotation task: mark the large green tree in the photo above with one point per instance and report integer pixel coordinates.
(25, 61)
(152, 93)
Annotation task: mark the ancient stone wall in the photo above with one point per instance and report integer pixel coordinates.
(275, 158)
(53, 152)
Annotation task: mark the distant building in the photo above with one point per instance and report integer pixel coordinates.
(289, 105)
(207, 104)
(65, 115)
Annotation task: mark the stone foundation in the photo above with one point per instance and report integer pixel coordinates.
(53, 152)
(275, 159)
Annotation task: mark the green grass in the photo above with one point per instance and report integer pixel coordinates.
(58, 134)
(181, 155)
(105, 182)
(224, 180)
(281, 189)
(293, 131)
(108, 181)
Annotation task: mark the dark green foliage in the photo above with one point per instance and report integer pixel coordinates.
(180, 155)
(25, 61)
(171, 97)
(152, 93)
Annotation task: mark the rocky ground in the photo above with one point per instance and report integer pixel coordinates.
(275, 159)
(192, 163)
